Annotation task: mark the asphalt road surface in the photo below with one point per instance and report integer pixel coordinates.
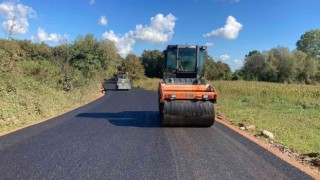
(119, 137)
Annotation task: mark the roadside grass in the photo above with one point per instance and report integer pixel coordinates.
(147, 83)
(27, 101)
(290, 111)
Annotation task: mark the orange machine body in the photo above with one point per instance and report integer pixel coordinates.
(187, 92)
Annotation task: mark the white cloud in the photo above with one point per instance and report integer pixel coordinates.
(160, 30)
(230, 30)
(224, 57)
(123, 43)
(209, 44)
(92, 1)
(43, 36)
(238, 63)
(15, 17)
(103, 21)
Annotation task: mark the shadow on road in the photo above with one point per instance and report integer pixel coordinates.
(128, 118)
(109, 85)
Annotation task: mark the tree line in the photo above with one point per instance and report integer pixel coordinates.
(66, 66)
(279, 65)
(276, 65)
(70, 66)
(282, 65)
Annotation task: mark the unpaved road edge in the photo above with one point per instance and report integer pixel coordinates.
(277, 153)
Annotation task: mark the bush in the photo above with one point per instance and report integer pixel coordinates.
(42, 71)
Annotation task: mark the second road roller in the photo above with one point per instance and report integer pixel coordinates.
(185, 99)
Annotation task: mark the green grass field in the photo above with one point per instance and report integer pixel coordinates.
(290, 111)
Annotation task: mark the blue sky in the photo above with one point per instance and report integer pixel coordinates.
(231, 28)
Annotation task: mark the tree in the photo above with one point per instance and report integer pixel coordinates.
(283, 60)
(153, 63)
(84, 56)
(253, 53)
(237, 75)
(108, 57)
(254, 66)
(309, 43)
(211, 70)
(61, 58)
(279, 65)
(306, 68)
(133, 66)
(217, 70)
(12, 27)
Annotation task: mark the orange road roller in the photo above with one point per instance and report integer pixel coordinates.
(185, 99)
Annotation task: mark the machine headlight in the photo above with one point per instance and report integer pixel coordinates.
(170, 96)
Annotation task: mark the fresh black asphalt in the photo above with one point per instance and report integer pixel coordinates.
(119, 136)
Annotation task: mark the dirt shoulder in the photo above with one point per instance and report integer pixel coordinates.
(280, 151)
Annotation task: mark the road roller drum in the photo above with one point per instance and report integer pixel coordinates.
(188, 113)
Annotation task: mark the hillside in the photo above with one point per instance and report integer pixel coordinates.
(38, 81)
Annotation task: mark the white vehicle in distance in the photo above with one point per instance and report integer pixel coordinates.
(123, 81)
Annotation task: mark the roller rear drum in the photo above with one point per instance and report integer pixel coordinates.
(187, 113)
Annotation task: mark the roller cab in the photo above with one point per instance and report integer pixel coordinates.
(184, 97)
